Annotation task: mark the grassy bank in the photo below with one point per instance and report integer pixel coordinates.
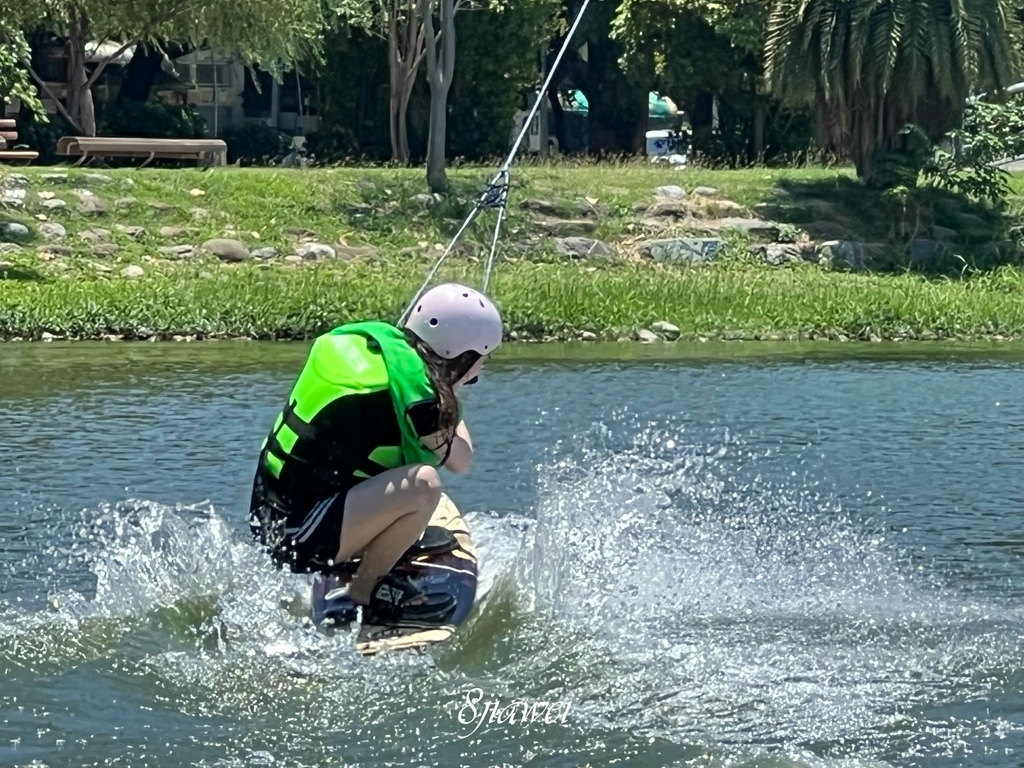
(112, 274)
(540, 301)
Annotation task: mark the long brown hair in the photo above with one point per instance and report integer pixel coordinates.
(444, 375)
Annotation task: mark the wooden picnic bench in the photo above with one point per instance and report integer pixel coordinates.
(205, 151)
(9, 151)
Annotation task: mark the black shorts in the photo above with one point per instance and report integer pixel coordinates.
(304, 536)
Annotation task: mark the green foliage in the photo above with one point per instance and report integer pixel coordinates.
(730, 300)
(497, 62)
(353, 109)
(871, 68)
(153, 119)
(990, 132)
(557, 297)
(255, 143)
(42, 135)
(14, 78)
(741, 22)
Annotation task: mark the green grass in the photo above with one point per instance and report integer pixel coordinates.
(540, 300)
(543, 295)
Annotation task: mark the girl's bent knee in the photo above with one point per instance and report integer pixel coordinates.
(427, 483)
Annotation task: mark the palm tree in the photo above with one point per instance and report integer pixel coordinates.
(870, 67)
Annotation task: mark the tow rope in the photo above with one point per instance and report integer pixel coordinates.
(496, 194)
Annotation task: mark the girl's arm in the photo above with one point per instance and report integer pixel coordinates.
(460, 454)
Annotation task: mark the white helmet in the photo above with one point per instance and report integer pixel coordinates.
(452, 319)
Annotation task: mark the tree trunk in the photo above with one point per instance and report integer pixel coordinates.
(618, 108)
(405, 54)
(398, 100)
(760, 119)
(399, 150)
(79, 95)
(440, 71)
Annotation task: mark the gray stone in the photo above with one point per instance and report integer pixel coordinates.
(51, 230)
(590, 208)
(672, 191)
(16, 179)
(91, 205)
(267, 252)
(778, 254)
(55, 250)
(725, 208)
(226, 250)
(125, 202)
(54, 178)
(10, 248)
(943, 233)
(14, 231)
(846, 254)
(293, 258)
(541, 206)
(46, 336)
(53, 204)
(924, 253)
(178, 251)
(679, 209)
(156, 205)
(588, 336)
(13, 198)
(752, 227)
(174, 231)
(705, 191)
(973, 221)
(684, 249)
(425, 199)
(133, 271)
(647, 337)
(584, 248)
(96, 235)
(568, 227)
(350, 252)
(105, 249)
(136, 233)
(315, 251)
(200, 213)
(97, 178)
(666, 329)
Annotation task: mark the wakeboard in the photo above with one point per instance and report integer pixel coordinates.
(453, 572)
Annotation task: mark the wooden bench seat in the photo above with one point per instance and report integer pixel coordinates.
(204, 151)
(8, 137)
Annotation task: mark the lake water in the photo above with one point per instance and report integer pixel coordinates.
(698, 556)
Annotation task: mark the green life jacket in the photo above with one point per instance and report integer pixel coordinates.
(358, 358)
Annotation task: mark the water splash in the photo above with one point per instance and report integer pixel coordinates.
(708, 600)
(692, 600)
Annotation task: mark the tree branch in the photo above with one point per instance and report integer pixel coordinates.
(448, 11)
(50, 95)
(102, 65)
(427, 11)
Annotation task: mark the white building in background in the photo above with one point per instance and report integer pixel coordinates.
(226, 94)
(217, 83)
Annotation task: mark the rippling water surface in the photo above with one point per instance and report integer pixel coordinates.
(796, 559)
